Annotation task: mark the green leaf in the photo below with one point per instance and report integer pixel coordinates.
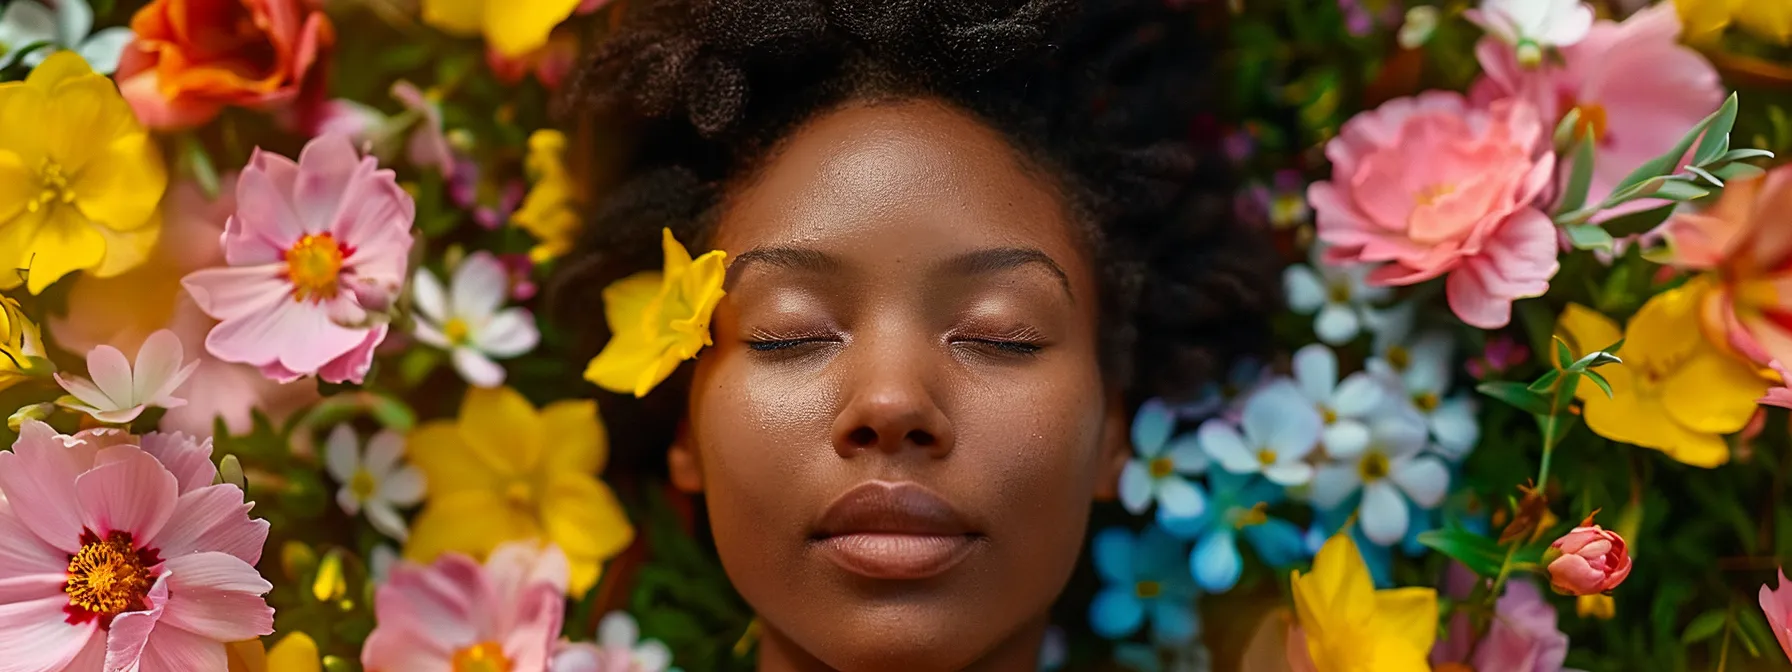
(1545, 382)
(1588, 237)
(1564, 356)
(1662, 165)
(1480, 554)
(199, 164)
(1738, 171)
(1676, 190)
(1555, 430)
(1708, 177)
(1565, 391)
(1516, 394)
(1604, 385)
(1638, 222)
(1754, 633)
(1717, 136)
(1594, 359)
(1743, 155)
(1570, 122)
(1705, 626)
(1580, 177)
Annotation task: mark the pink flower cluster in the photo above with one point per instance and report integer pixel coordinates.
(1442, 185)
(118, 552)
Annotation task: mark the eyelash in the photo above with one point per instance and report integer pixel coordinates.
(764, 341)
(1023, 343)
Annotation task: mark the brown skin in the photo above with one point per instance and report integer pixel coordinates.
(898, 360)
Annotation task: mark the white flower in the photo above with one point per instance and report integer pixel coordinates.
(1280, 427)
(1161, 465)
(380, 563)
(375, 482)
(1340, 296)
(1389, 470)
(118, 393)
(1534, 25)
(467, 322)
(29, 22)
(1342, 406)
(1421, 376)
(619, 648)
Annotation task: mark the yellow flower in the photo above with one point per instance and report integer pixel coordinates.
(1597, 606)
(21, 346)
(79, 177)
(1706, 19)
(657, 319)
(513, 28)
(504, 471)
(1352, 627)
(551, 210)
(1675, 391)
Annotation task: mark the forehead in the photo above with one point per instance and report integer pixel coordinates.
(914, 179)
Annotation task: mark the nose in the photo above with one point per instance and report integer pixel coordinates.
(890, 408)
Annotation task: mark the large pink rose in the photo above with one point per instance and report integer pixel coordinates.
(1427, 186)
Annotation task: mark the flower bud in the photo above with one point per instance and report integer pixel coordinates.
(1587, 560)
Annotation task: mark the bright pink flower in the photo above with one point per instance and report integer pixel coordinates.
(122, 555)
(1524, 637)
(1777, 604)
(1427, 186)
(1589, 560)
(306, 241)
(454, 614)
(1744, 238)
(1637, 88)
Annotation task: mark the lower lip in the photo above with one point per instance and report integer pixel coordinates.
(896, 556)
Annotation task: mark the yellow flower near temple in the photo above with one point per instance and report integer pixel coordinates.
(657, 319)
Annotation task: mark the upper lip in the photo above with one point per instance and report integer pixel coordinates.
(881, 507)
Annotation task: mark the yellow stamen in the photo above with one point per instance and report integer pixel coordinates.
(108, 576)
(314, 266)
(1162, 467)
(1430, 195)
(1258, 514)
(1373, 467)
(362, 485)
(1148, 589)
(456, 330)
(1425, 401)
(52, 187)
(1266, 457)
(482, 657)
(1398, 358)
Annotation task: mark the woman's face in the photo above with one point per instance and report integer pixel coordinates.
(902, 421)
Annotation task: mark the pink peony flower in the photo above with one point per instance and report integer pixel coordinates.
(1524, 637)
(456, 615)
(1588, 560)
(1744, 239)
(1777, 604)
(117, 551)
(1637, 88)
(307, 239)
(1427, 186)
(119, 392)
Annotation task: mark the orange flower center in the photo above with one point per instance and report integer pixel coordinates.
(108, 576)
(314, 265)
(1593, 121)
(1266, 457)
(1162, 467)
(456, 330)
(52, 187)
(481, 657)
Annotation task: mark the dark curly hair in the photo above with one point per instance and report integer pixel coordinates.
(1103, 95)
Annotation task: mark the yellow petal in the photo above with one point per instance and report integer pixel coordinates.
(246, 656)
(499, 424)
(1664, 331)
(516, 28)
(1713, 393)
(582, 516)
(1407, 614)
(1707, 451)
(575, 442)
(627, 302)
(15, 190)
(1337, 593)
(678, 260)
(471, 522)
(1393, 655)
(1587, 330)
(581, 575)
(702, 292)
(87, 116)
(23, 109)
(1771, 19)
(123, 187)
(128, 250)
(456, 17)
(621, 364)
(60, 67)
(66, 243)
(449, 465)
(296, 652)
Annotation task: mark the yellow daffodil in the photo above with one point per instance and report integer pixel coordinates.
(512, 28)
(551, 210)
(21, 346)
(1706, 19)
(1674, 392)
(79, 177)
(657, 319)
(504, 471)
(1352, 627)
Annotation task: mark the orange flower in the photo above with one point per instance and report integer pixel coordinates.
(1743, 242)
(194, 57)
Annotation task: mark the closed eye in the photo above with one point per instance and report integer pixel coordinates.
(785, 343)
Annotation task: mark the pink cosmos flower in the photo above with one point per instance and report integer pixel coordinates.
(1427, 186)
(1637, 88)
(310, 246)
(1777, 604)
(120, 392)
(1588, 560)
(456, 615)
(117, 551)
(1744, 239)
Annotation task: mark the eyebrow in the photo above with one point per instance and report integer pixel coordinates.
(973, 263)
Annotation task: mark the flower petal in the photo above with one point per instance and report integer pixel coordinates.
(38, 636)
(1116, 612)
(38, 479)
(213, 518)
(386, 520)
(129, 635)
(476, 369)
(479, 287)
(342, 453)
(1180, 498)
(1173, 621)
(508, 334)
(158, 369)
(1226, 446)
(580, 445)
(218, 596)
(129, 491)
(429, 298)
(1333, 483)
(1455, 427)
(1283, 419)
(112, 374)
(1316, 372)
(1151, 428)
(1424, 478)
(177, 650)
(1384, 514)
(1345, 439)
(1359, 395)
(1215, 562)
(1305, 289)
(1289, 473)
(1337, 324)
(1135, 486)
(1186, 455)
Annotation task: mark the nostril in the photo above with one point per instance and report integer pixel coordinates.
(863, 436)
(920, 438)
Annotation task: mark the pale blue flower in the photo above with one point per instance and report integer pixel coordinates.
(1278, 429)
(1223, 398)
(1344, 406)
(1420, 375)
(1237, 508)
(1146, 577)
(1161, 465)
(1337, 297)
(1391, 470)
(26, 23)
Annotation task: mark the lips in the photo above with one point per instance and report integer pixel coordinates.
(900, 531)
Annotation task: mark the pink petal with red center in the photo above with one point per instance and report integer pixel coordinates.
(187, 457)
(130, 491)
(216, 596)
(34, 635)
(22, 554)
(38, 478)
(327, 169)
(353, 365)
(176, 650)
(213, 518)
(236, 293)
(130, 631)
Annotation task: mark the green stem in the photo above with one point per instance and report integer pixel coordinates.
(1549, 450)
(1499, 582)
